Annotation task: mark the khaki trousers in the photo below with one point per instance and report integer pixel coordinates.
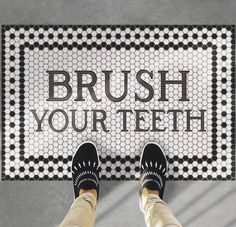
(83, 211)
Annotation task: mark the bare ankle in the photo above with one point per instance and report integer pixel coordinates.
(93, 191)
(149, 191)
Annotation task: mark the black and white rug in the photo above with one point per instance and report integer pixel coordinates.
(120, 87)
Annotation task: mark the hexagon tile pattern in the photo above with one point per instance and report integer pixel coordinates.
(197, 148)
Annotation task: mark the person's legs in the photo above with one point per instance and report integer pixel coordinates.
(156, 211)
(153, 166)
(82, 212)
(85, 175)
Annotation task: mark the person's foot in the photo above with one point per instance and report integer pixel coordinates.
(85, 169)
(154, 166)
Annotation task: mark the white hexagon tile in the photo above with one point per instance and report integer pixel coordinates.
(121, 87)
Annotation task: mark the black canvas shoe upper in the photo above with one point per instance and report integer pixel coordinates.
(85, 168)
(153, 165)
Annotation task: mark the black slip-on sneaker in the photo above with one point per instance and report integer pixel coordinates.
(154, 167)
(85, 168)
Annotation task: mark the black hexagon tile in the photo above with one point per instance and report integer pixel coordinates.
(121, 87)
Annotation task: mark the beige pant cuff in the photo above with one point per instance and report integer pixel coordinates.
(82, 212)
(157, 212)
